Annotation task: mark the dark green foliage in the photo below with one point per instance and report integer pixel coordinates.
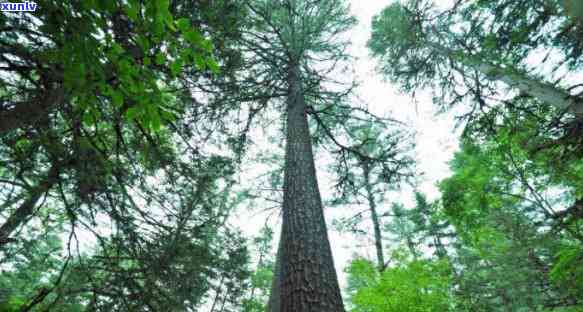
(510, 234)
(96, 52)
(99, 138)
(172, 261)
(123, 125)
(567, 271)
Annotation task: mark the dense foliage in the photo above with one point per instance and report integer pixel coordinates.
(508, 224)
(125, 128)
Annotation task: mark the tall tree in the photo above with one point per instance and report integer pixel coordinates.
(508, 242)
(296, 38)
(374, 160)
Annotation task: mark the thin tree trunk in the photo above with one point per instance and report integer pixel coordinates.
(544, 92)
(308, 277)
(439, 248)
(378, 239)
(225, 300)
(217, 294)
(26, 209)
(411, 247)
(274, 303)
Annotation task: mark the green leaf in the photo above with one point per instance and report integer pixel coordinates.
(176, 67)
(89, 4)
(117, 49)
(167, 115)
(193, 37)
(160, 59)
(87, 118)
(213, 65)
(132, 12)
(117, 98)
(125, 68)
(163, 4)
(183, 24)
(143, 42)
(207, 45)
(108, 5)
(199, 62)
(132, 113)
(155, 122)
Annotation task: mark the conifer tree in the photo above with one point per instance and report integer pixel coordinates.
(294, 39)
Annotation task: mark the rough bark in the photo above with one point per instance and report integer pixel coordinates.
(544, 92)
(378, 239)
(26, 209)
(308, 278)
(274, 303)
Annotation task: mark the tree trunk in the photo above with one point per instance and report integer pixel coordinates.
(544, 92)
(217, 294)
(378, 239)
(274, 303)
(26, 209)
(308, 277)
(440, 250)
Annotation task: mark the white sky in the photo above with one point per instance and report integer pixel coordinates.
(435, 141)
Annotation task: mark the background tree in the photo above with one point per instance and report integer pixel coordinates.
(263, 276)
(472, 51)
(374, 160)
(514, 219)
(418, 46)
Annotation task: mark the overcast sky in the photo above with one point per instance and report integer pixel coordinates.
(435, 140)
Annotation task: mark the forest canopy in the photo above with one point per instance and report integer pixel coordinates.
(176, 155)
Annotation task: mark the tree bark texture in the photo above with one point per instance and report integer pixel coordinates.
(308, 278)
(274, 303)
